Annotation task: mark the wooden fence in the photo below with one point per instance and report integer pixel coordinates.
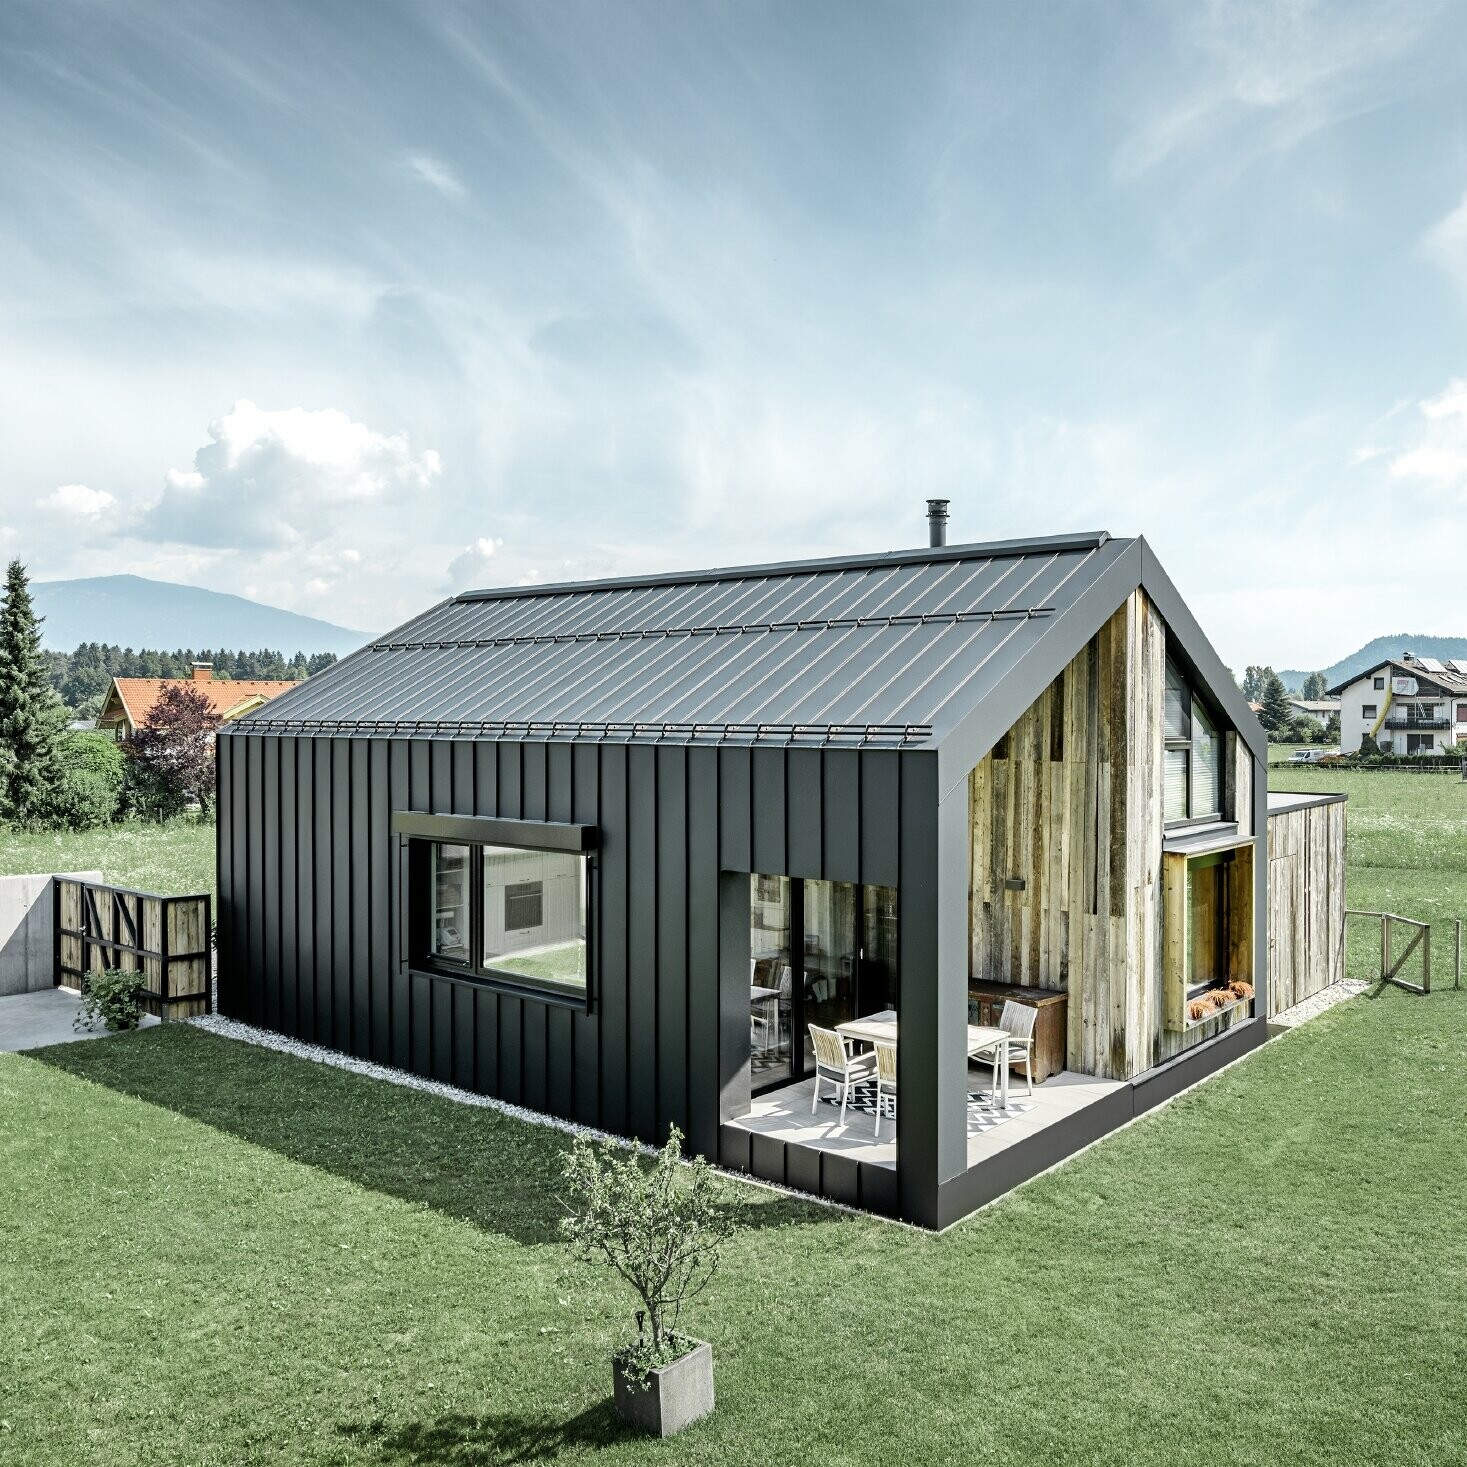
(1306, 900)
(166, 938)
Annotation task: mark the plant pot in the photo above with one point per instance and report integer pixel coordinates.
(672, 1397)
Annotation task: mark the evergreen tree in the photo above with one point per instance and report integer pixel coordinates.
(1253, 683)
(1315, 687)
(32, 718)
(1277, 713)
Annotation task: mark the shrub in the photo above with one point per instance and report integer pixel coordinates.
(89, 787)
(113, 996)
(662, 1235)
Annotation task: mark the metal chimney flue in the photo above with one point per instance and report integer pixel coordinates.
(937, 522)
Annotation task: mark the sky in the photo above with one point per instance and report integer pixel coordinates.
(344, 307)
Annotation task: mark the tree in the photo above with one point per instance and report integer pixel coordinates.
(89, 788)
(1316, 686)
(1332, 729)
(1253, 682)
(171, 757)
(1277, 711)
(32, 717)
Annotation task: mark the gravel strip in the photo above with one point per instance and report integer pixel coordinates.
(1326, 998)
(318, 1054)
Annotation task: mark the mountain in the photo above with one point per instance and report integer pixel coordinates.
(1377, 651)
(131, 611)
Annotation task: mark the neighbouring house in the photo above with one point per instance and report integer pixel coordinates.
(617, 850)
(130, 700)
(1320, 708)
(1408, 704)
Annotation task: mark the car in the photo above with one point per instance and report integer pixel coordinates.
(1312, 756)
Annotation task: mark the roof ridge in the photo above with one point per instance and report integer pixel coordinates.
(997, 549)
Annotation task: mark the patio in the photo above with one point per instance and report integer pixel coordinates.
(31, 1020)
(784, 1114)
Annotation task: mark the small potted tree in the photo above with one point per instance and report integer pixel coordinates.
(662, 1233)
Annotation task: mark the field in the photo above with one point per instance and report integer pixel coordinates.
(1406, 852)
(176, 859)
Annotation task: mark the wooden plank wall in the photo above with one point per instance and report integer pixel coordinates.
(1306, 902)
(1070, 806)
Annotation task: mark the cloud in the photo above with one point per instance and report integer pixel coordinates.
(77, 501)
(270, 479)
(437, 174)
(1446, 245)
(472, 567)
(1439, 455)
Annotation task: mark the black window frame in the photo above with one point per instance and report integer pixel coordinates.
(420, 833)
(1194, 701)
(1370, 710)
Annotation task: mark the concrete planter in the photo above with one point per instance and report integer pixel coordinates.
(674, 1396)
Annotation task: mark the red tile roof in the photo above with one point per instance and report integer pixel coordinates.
(139, 694)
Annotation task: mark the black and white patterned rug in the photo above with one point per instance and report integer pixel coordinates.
(984, 1111)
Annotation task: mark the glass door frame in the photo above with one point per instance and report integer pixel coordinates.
(798, 1070)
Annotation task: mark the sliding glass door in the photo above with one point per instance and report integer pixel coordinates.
(820, 952)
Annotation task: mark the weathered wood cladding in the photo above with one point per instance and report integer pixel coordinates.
(1306, 902)
(1066, 848)
(312, 899)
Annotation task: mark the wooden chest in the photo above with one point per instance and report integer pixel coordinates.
(985, 1005)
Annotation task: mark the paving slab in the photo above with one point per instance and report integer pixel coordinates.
(31, 1020)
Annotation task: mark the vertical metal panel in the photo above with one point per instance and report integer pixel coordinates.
(285, 890)
(803, 786)
(559, 782)
(768, 812)
(440, 769)
(733, 995)
(305, 888)
(840, 815)
(321, 906)
(341, 923)
(463, 1036)
(560, 1077)
(486, 1041)
(703, 953)
(399, 797)
(880, 816)
(612, 988)
(586, 1027)
(532, 781)
(735, 801)
(509, 781)
(533, 1038)
(420, 1036)
(255, 894)
(511, 1025)
(464, 798)
(380, 846)
(225, 877)
(357, 855)
(267, 843)
(641, 938)
(486, 779)
(671, 863)
(441, 1060)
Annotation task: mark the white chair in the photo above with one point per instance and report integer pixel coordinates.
(1017, 1022)
(885, 1082)
(836, 1064)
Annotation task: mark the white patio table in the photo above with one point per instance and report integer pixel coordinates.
(881, 1028)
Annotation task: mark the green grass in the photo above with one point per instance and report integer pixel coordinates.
(219, 1255)
(1406, 852)
(563, 964)
(176, 859)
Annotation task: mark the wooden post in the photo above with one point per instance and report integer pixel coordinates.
(1426, 959)
(1385, 943)
(1457, 967)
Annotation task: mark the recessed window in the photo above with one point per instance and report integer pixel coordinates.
(1379, 685)
(1368, 710)
(1192, 760)
(508, 913)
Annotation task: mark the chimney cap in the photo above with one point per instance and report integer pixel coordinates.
(203, 672)
(936, 522)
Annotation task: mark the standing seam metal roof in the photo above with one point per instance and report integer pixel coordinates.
(859, 650)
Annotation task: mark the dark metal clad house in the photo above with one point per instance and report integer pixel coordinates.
(618, 851)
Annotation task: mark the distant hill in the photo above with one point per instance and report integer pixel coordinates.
(132, 611)
(1377, 651)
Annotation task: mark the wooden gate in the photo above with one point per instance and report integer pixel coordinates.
(166, 938)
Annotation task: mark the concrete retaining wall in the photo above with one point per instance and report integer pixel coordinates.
(27, 940)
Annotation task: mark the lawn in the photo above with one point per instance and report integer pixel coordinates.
(1406, 852)
(215, 1254)
(176, 859)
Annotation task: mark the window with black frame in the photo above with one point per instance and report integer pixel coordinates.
(508, 913)
(1192, 785)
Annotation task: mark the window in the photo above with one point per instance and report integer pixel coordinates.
(1192, 760)
(508, 913)
(1462, 712)
(1368, 710)
(1379, 685)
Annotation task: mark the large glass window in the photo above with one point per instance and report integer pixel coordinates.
(508, 913)
(771, 979)
(1192, 758)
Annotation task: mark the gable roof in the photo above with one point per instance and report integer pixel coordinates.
(889, 650)
(138, 695)
(1450, 677)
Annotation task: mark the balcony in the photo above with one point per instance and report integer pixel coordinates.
(1418, 725)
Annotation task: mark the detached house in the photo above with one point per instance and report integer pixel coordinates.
(1409, 705)
(130, 700)
(773, 853)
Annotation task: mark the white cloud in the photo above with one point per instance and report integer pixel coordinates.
(77, 501)
(276, 478)
(437, 174)
(472, 567)
(1439, 455)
